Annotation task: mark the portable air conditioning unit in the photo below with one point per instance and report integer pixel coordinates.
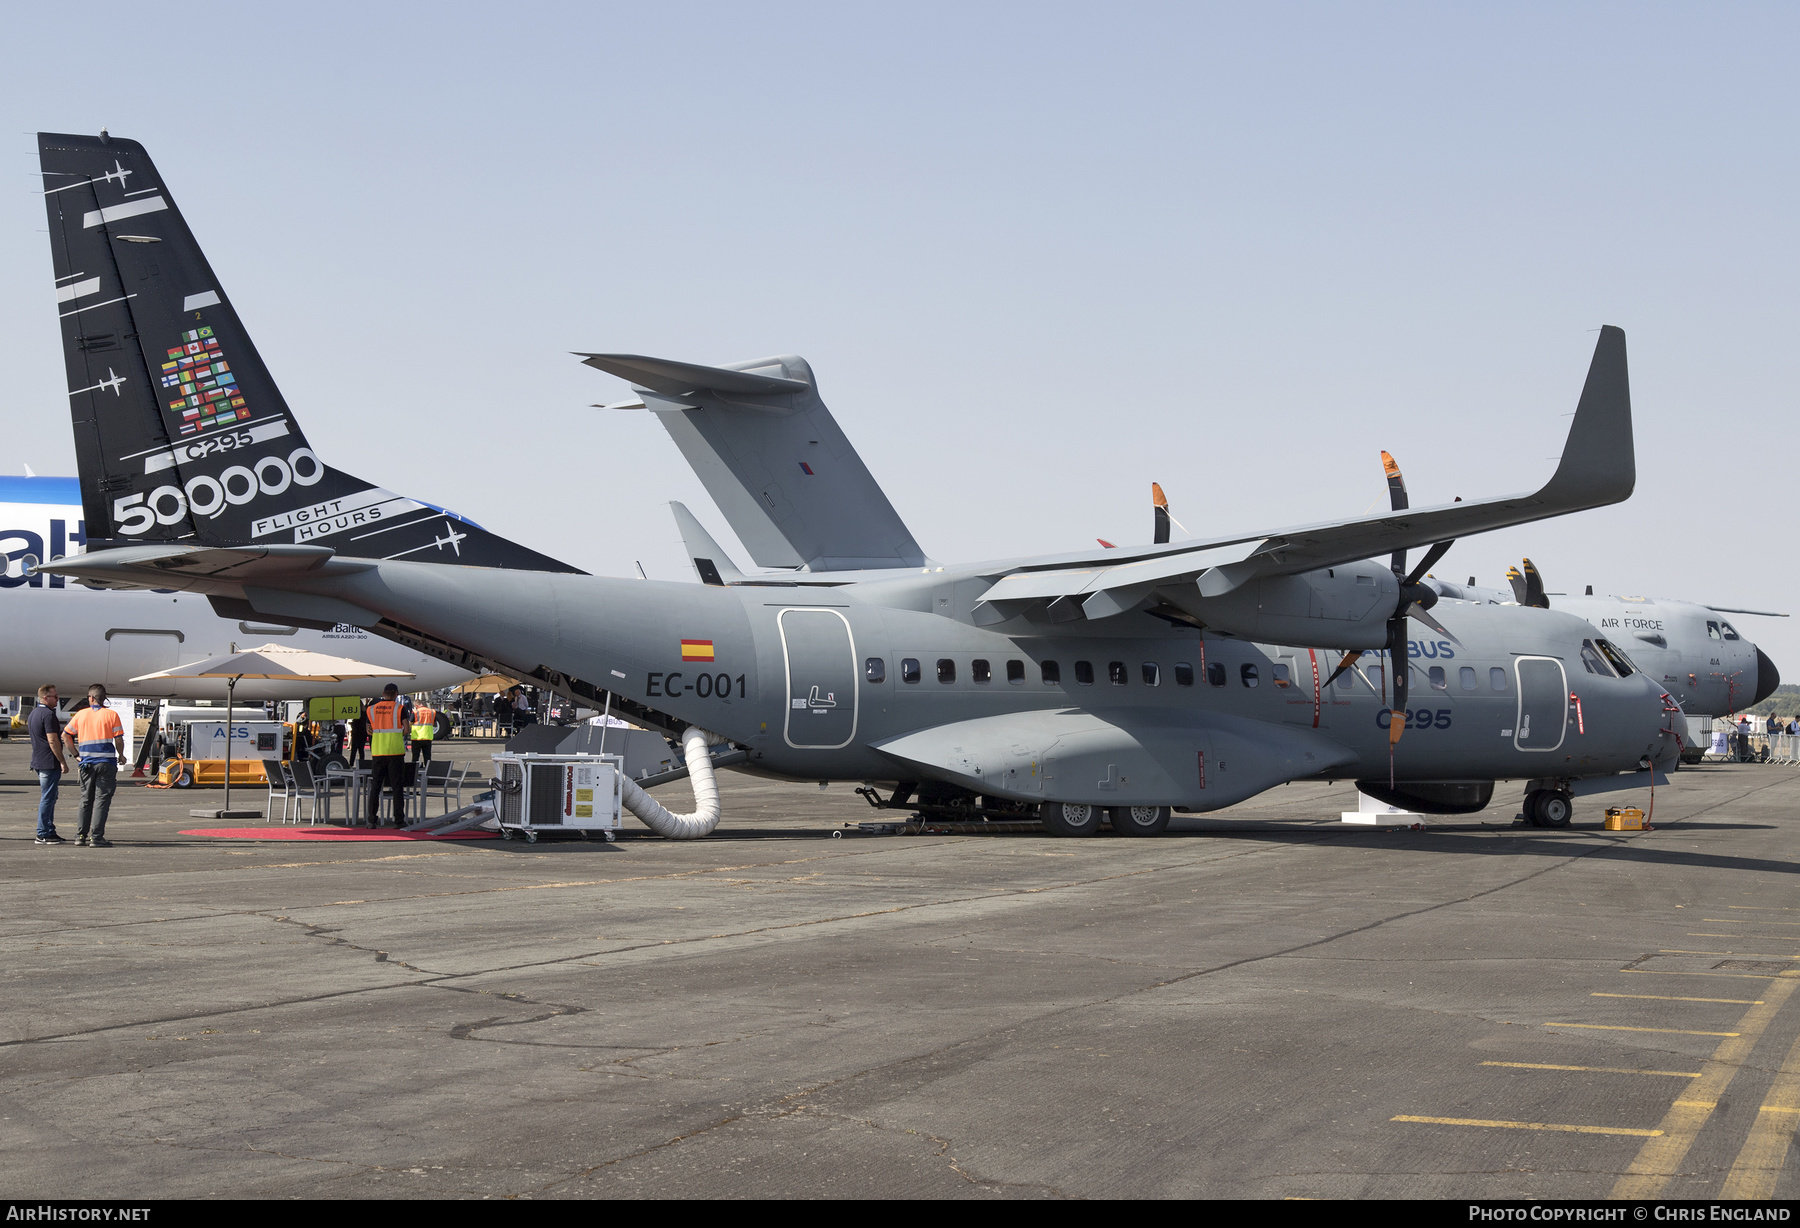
(572, 793)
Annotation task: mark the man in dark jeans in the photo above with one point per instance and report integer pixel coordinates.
(47, 761)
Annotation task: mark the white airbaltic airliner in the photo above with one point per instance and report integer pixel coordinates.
(60, 631)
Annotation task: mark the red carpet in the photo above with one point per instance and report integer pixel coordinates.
(304, 834)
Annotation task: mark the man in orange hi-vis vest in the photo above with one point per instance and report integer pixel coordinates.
(387, 754)
(424, 730)
(97, 736)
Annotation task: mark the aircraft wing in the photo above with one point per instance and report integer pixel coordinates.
(1598, 467)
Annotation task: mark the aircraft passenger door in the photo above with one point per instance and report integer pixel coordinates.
(1543, 703)
(132, 652)
(820, 654)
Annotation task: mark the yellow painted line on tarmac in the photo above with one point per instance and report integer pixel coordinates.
(1527, 1125)
(1741, 934)
(1619, 1027)
(1738, 954)
(1764, 1153)
(1657, 997)
(1762, 908)
(1660, 1158)
(1674, 1074)
(1747, 921)
(1734, 976)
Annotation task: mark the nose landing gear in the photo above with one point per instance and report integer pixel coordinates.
(1549, 807)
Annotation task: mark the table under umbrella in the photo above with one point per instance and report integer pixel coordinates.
(270, 661)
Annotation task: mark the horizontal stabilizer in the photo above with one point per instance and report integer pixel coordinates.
(179, 565)
(677, 378)
(710, 563)
(773, 458)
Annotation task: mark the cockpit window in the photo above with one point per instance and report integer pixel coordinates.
(1730, 632)
(1619, 660)
(1590, 657)
(1712, 631)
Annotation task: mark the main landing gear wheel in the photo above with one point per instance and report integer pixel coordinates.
(1549, 808)
(1139, 820)
(1070, 818)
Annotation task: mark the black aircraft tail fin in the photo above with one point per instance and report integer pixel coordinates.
(180, 432)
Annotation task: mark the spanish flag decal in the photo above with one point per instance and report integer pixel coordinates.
(696, 650)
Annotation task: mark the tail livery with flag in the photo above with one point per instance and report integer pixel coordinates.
(180, 431)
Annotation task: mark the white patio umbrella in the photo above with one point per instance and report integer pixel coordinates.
(269, 661)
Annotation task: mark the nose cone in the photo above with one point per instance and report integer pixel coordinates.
(1767, 677)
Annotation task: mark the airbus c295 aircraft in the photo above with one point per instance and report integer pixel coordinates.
(1076, 685)
(1693, 650)
(73, 635)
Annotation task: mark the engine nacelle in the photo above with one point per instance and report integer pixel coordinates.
(1333, 607)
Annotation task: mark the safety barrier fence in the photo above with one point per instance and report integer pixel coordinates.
(1731, 746)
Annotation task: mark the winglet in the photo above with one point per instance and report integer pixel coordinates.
(710, 562)
(1598, 464)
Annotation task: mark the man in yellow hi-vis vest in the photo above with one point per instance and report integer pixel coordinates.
(387, 754)
(424, 729)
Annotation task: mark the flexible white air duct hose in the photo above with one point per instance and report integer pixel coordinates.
(663, 822)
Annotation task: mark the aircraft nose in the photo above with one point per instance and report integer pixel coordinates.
(1767, 677)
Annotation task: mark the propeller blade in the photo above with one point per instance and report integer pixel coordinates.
(1534, 587)
(1397, 501)
(1518, 585)
(1432, 555)
(1401, 667)
(1350, 659)
(1160, 503)
(1419, 612)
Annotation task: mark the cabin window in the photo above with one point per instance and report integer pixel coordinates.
(1280, 673)
(1184, 674)
(1618, 660)
(1374, 675)
(1440, 681)
(1590, 658)
(946, 670)
(1084, 673)
(909, 669)
(1347, 679)
(1015, 671)
(1497, 678)
(1466, 676)
(1152, 675)
(875, 669)
(980, 671)
(1050, 671)
(1712, 631)
(1115, 673)
(1215, 673)
(1248, 674)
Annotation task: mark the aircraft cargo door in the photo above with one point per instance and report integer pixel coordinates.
(1543, 703)
(821, 678)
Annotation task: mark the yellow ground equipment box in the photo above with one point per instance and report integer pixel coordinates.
(1627, 818)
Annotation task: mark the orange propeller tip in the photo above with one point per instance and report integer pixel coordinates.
(1156, 495)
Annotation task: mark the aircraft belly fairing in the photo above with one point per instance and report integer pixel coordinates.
(1131, 757)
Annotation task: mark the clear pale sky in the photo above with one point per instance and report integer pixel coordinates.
(1037, 255)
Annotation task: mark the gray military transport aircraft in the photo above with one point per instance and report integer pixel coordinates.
(1118, 684)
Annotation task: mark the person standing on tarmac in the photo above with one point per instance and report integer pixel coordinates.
(47, 761)
(97, 735)
(424, 730)
(387, 754)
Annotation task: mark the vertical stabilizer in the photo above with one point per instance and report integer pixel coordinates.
(775, 461)
(710, 562)
(180, 432)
